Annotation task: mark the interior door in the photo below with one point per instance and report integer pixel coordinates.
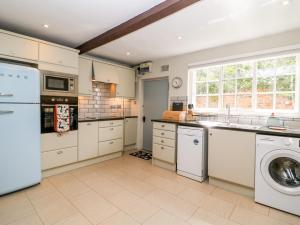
(155, 103)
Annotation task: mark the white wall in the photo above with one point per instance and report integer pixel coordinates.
(179, 64)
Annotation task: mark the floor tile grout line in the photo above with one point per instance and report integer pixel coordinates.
(36, 211)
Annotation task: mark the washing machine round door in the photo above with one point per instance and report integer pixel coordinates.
(281, 170)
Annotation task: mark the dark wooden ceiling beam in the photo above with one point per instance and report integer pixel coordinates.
(152, 15)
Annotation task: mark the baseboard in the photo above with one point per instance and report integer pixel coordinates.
(239, 189)
(66, 168)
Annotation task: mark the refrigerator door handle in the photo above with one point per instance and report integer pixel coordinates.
(2, 112)
(5, 95)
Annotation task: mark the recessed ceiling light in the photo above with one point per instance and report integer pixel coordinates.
(179, 37)
(128, 53)
(285, 2)
(46, 26)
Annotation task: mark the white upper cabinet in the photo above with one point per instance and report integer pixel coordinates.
(58, 55)
(126, 86)
(19, 47)
(85, 76)
(105, 72)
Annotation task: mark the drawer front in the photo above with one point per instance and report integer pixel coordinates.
(165, 126)
(164, 133)
(59, 157)
(108, 147)
(18, 47)
(111, 123)
(110, 133)
(164, 153)
(164, 141)
(53, 141)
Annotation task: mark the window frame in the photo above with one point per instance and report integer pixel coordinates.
(254, 93)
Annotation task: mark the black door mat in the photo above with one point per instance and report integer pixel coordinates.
(142, 155)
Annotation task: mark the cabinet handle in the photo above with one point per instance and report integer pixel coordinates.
(111, 128)
(162, 133)
(59, 152)
(162, 141)
(60, 61)
(59, 134)
(162, 148)
(162, 125)
(210, 134)
(88, 124)
(111, 142)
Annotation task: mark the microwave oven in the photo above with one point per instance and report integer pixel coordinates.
(58, 84)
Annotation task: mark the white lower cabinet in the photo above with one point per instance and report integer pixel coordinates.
(164, 153)
(87, 140)
(231, 156)
(130, 131)
(59, 157)
(110, 136)
(54, 141)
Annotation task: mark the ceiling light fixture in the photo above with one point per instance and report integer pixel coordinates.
(286, 2)
(128, 53)
(46, 26)
(179, 37)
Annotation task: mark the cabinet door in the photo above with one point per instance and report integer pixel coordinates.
(57, 55)
(14, 46)
(130, 131)
(231, 156)
(126, 86)
(87, 140)
(164, 153)
(106, 73)
(85, 76)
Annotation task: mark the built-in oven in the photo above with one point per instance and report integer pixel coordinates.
(47, 112)
(59, 84)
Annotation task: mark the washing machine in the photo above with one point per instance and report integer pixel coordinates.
(277, 176)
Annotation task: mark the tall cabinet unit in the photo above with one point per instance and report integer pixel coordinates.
(130, 131)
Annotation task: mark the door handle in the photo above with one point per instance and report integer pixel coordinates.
(5, 95)
(2, 112)
(144, 119)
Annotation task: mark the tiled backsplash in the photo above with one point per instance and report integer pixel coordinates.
(101, 105)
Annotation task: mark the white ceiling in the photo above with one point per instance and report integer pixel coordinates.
(206, 24)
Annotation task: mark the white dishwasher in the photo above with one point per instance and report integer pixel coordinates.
(192, 152)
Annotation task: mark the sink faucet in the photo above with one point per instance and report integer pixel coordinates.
(228, 114)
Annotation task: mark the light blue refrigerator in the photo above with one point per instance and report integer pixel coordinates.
(20, 165)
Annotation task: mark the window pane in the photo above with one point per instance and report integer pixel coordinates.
(285, 101)
(201, 101)
(244, 85)
(244, 101)
(266, 67)
(285, 83)
(213, 101)
(265, 101)
(229, 86)
(286, 65)
(201, 75)
(213, 87)
(265, 84)
(213, 74)
(201, 88)
(245, 69)
(230, 71)
(228, 100)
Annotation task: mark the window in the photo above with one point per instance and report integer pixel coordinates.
(257, 85)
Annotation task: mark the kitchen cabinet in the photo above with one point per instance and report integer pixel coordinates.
(85, 77)
(126, 86)
(164, 143)
(106, 73)
(130, 131)
(58, 55)
(58, 158)
(54, 141)
(110, 136)
(14, 46)
(87, 140)
(231, 156)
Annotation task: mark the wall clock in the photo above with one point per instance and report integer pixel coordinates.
(177, 82)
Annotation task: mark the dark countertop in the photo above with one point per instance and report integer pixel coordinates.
(94, 119)
(246, 128)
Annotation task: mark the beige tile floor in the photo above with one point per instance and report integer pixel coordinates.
(130, 191)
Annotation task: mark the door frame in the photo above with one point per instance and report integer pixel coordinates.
(140, 93)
